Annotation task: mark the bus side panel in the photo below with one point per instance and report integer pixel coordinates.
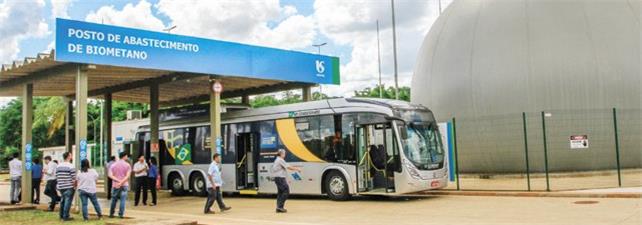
(311, 177)
(228, 171)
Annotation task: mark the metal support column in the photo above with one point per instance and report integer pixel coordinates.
(456, 153)
(106, 134)
(80, 152)
(307, 93)
(215, 118)
(548, 186)
(245, 100)
(153, 119)
(69, 118)
(617, 148)
(27, 121)
(528, 169)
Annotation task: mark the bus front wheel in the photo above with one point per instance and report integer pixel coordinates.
(336, 186)
(176, 185)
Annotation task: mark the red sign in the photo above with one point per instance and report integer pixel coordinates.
(154, 147)
(217, 87)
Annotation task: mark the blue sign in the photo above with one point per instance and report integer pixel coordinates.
(218, 145)
(28, 152)
(83, 42)
(83, 149)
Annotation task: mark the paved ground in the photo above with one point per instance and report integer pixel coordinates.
(433, 210)
(557, 181)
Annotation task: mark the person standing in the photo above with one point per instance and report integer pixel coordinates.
(140, 178)
(119, 173)
(36, 177)
(87, 178)
(50, 187)
(112, 159)
(280, 173)
(66, 178)
(213, 184)
(15, 172)
(152, 175)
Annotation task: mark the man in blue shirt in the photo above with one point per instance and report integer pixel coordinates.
(36, 177)
(214, 183)
(152, 175)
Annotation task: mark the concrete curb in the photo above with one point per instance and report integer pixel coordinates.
(5, 207)
(535, 194)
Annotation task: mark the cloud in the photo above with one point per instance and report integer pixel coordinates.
(252, 22)
(20, 20)
(60, 8)
(353, 24)
(139, 16)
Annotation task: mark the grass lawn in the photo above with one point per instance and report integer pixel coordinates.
(39, 217)
(4, 177)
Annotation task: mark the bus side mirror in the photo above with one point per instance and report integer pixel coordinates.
(403, 133)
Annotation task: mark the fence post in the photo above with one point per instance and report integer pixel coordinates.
(548, 187)
(528, 173)
(617, 148)
(456, 156)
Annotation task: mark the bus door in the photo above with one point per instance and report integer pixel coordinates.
(375, 154)
(246, 161)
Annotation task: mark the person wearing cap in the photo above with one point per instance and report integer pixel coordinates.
(280, 172)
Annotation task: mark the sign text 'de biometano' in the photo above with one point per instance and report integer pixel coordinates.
(83, 42)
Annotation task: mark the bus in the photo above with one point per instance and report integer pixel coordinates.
(345, 146)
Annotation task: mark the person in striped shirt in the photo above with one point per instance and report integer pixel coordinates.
(66, 177)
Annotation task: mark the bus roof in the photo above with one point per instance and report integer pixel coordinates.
(319, 107)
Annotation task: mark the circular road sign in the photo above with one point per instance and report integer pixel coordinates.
(217, 87)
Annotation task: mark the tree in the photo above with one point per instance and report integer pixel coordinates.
(119, 109)
(10, 125)
(389, 93)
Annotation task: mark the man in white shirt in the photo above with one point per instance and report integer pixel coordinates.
(15, 171)
(213, 183)
(140, 177)
(49, 171)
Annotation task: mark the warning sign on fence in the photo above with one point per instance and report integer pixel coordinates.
(579, 141)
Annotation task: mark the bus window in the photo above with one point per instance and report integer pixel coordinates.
(317, 134)
(347, 152)
(229, 154)
(269, 140)
(196, 138)
(180, 150)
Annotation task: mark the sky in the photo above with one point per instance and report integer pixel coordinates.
(348, 27)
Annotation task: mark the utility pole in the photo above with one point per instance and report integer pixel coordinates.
(379, 58)
(394, 48)
(319, 52)
(439, 1)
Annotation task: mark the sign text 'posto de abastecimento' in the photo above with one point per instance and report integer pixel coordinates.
(122, 39)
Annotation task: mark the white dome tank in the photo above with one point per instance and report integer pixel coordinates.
(494, 59)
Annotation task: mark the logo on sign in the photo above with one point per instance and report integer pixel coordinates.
(28, 149)
(83, 149)
(320, 68)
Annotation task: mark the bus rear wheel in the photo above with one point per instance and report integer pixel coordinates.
(198, 185)
(176, 185)
(336, 186)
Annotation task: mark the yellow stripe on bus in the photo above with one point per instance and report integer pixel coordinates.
(290, 138)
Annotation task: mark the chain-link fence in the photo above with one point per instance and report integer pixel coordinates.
(549, 150)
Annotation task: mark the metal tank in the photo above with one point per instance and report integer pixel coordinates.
(485, 62)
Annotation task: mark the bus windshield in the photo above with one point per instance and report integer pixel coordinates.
(422, 145)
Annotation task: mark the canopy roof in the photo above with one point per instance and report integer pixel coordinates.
(53, 78)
